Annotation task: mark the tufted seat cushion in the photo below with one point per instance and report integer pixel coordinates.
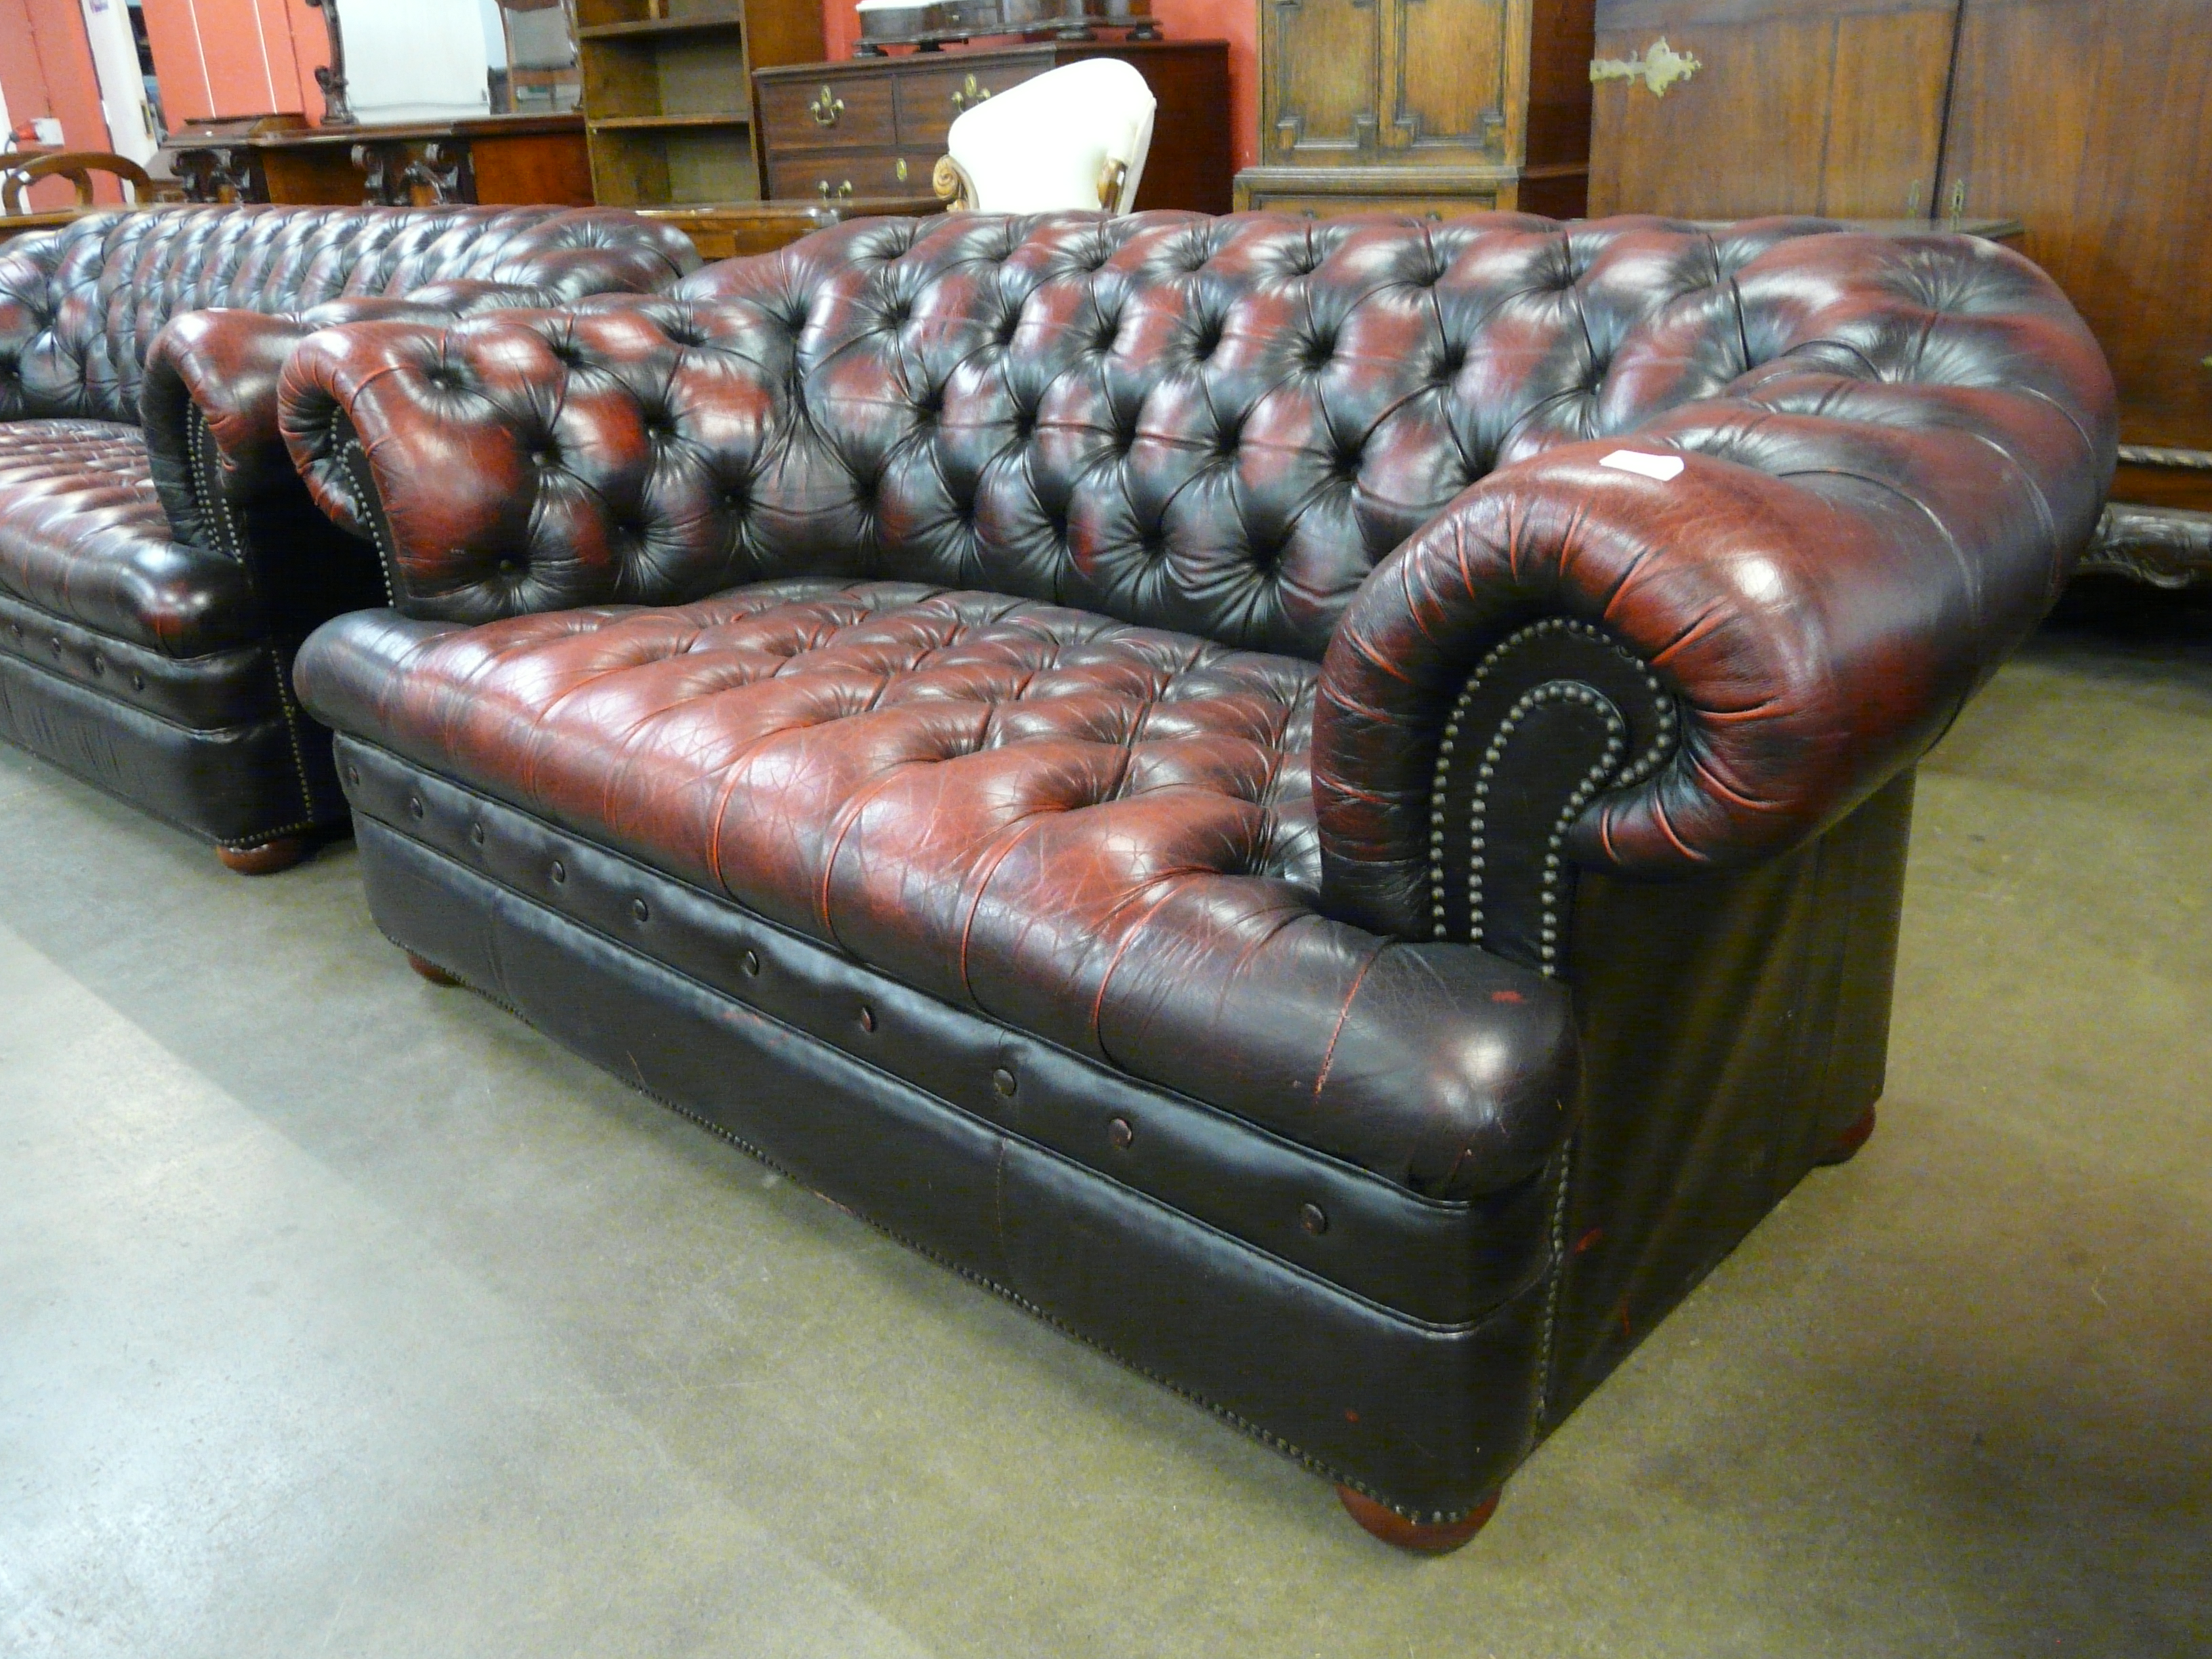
(1097, 833)
(83, 537)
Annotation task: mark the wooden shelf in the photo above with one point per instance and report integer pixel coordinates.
(668, 100)
(650, 26)
(619, 123)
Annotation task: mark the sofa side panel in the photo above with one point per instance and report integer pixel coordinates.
(235, 785)
(1428, 1418)
(1733, 1027)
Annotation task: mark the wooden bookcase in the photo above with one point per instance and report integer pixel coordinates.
(668, 105)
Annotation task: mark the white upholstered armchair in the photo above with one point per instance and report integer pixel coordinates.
(1074, 137)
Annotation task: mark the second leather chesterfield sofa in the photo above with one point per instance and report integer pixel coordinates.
(159, 559)
(1323, 805)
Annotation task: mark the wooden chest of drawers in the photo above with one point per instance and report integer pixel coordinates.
(875, 126)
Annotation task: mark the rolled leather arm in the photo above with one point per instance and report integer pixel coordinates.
(211, 380)
(1797, 615)
(537, 460)
(209, 402)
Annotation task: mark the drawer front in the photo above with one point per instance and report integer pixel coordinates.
(929, 99)
(1336, 207)
(835, 178)
(850, 112)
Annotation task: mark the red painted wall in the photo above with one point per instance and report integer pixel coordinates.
(1233, 21)
(217, 59)
(46, 69)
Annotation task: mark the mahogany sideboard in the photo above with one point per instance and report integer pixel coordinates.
(875, 126)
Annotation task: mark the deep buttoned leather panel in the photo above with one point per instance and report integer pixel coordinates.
(82, 536)
(1430, 1419)
(235, 784)
(80, 307)
(228, 688)
(1093, 832)
(1218, 426)
(1443, 1262)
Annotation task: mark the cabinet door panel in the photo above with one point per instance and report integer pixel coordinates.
(1325, 93)
(1449, 76)
(2085, 118)
(1885, 115)
(1794, 108)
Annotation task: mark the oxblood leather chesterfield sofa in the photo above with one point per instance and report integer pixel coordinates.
(1322, 805)
(155, 582)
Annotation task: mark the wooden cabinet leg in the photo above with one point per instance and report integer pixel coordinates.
(1422, 1537)
(264, 858)
(431, 970)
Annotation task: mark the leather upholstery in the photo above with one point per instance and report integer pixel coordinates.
(964, 617)
(81, 537)
(1869, 520)
(1097, 834)
(80, 307)
(1896, 449)
(152, 589)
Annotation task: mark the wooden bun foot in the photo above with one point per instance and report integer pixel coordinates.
(264, 859)
(431, 970)
(1422, 1537)
(1845, 1146)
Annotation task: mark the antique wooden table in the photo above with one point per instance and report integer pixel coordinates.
(492, 160)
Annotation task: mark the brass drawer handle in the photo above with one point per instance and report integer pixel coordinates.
(826, 108)
(969, 95)
(1658, 69)
(843, 190)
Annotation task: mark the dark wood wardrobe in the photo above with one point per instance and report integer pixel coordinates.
(2085, 119)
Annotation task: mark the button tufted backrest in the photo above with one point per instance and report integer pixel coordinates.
(80, 307)
(1215, 425)
(1220, 425)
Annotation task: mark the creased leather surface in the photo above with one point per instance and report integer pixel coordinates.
(1097, 833)
(1896, 448)
(82, 536)
(1874, 510)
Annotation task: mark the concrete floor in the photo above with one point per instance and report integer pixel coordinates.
(341, 1315)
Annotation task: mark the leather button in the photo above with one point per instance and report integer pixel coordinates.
(55, 642)
(353, 777)
(137, 681)
(640, 909)
(1313, 1218)
(476, 834)
(867, 1018)
(1003, 1081)
(415, 806)
(99, 666)
(753, 963)
(1121, 1133)
(560, 872)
